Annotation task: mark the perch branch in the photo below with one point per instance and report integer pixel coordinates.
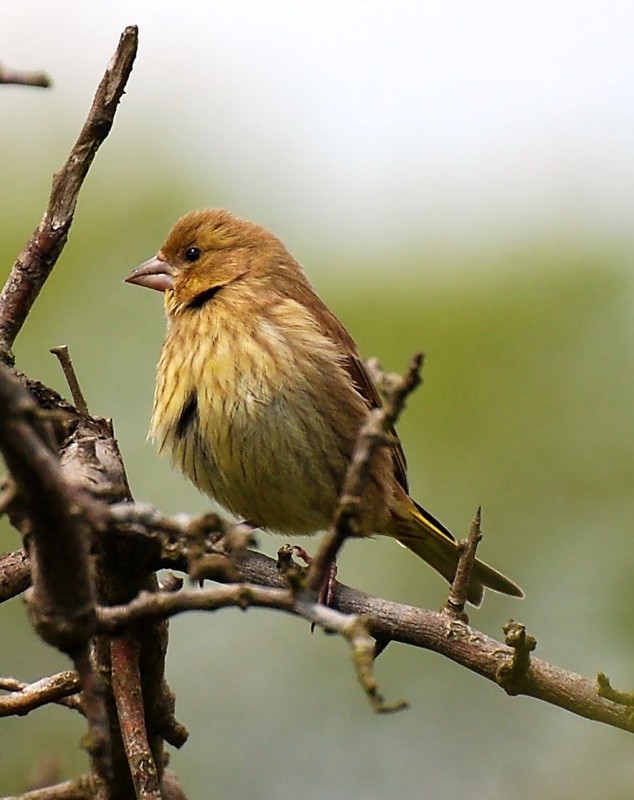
(430, 630)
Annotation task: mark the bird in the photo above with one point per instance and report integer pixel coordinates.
(261, 391)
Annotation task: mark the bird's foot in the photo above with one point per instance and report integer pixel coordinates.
(327, 591)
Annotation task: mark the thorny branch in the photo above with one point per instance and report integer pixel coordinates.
(432, 630)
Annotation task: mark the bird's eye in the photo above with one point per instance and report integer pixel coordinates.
(192, 254)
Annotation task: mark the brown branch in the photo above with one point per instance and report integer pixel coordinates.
(15, 574)
(605, 689)
(36, 261)
(152, 606)
(97, 741)
(79, 789)
(61, 610)
(27, 696)
(126, 685)
(471, 648)
(23, 77)
(417, 627)
(374, 433)
(459, 589)
(430, 630)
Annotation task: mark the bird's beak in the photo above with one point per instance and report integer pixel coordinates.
(153, 274)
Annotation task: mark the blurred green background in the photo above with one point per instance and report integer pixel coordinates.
(525, 409)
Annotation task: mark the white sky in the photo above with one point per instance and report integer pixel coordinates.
(459, 118)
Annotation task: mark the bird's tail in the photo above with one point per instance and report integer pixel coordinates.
(424, 535)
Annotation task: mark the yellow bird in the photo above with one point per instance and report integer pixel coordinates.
(261, 391)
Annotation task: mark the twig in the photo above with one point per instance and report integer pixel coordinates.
(152, 606)
(36, 261)
(28, 696)
(61, 610)
(63, 356)
(97, 741)
(15, 574)
(514, 672)
(373, 434)
(79, 789)
(459, 589)
(23, 77)
(605, 689)
(126, 686)
(355, 629)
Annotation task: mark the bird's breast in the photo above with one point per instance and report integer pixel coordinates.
(245, 414)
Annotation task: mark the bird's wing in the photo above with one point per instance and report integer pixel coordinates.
(364, 384)
(356, 369)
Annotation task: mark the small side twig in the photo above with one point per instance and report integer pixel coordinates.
(512, 673)
(15, 574)
(608, 692)
(24, 77)
(26, 697)
(355, 629)
(82, 788)
(459, 589)
(63, 356)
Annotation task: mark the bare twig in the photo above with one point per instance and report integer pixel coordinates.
(374, 433)
(513, 672)
(153, 606)
(36, 261)
(126, 685)
(79, 789)
(355, 629)
(23, 77)
(63, 356)
(27, 696)
(150, 606)
(605, 689)
(15, 574)
(459, 589)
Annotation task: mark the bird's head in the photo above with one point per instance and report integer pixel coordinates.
(206, 251)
